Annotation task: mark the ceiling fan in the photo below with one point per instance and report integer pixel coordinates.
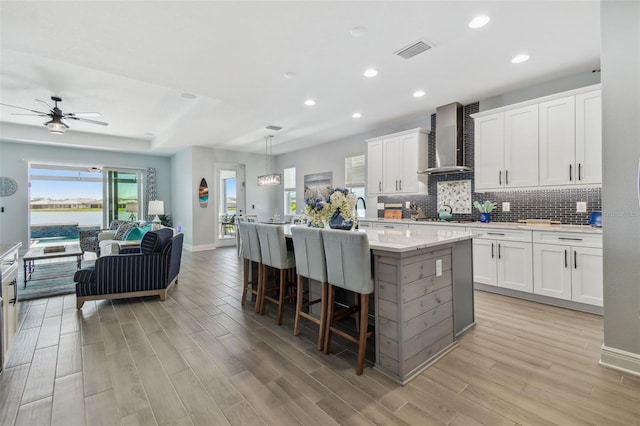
(56, 125)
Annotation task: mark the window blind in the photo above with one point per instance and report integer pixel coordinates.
(354, 170)
(290, 179)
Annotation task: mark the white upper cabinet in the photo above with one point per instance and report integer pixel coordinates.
(550, 141)
(571, 140)
(393, 162)
(589, 137)
(506, 149)
(489, 149)
(557, 141)
(374, 168)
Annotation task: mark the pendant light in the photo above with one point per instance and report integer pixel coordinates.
(270, 179)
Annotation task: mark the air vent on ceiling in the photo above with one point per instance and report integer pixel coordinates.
(274, 128)
(413, 49)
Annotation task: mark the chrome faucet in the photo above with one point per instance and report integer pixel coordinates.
(364, 206)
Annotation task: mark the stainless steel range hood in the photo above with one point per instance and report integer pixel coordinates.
(449, 141)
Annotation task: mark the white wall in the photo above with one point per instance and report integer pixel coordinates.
(189, 166)
(620, 26)
(14, 163)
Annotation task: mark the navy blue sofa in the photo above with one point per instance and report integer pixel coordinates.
(141, 271)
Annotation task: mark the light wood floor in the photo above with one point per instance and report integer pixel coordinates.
(200, 358)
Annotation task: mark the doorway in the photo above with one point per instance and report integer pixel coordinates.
(230, 201)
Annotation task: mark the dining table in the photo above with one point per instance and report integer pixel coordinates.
(423, 296)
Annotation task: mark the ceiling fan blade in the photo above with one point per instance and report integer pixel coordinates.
(26, 109)
(43, 102)
(84, 114)
(37, 115)
(70, 117)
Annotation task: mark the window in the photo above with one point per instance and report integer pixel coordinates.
(290, 205)
(354, 176)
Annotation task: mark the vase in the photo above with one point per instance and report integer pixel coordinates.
(485, 217)
(339, 222)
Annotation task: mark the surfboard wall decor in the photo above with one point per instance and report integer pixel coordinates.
(203, 193)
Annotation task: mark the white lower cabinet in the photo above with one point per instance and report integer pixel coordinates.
(502, 262)
(568, 267)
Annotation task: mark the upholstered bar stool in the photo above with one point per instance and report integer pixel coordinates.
(251, 253)
(311, 264)
(273, 248)
(348, 266)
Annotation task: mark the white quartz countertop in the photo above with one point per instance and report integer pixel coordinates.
(494, 225)
(400, 241)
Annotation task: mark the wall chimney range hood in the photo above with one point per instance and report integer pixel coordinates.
(449, 141)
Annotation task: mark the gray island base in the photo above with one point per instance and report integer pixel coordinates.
(423, 299)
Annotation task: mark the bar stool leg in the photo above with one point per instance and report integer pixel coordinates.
(245, 281)
(323, 316)
(329, 320)
(362, 342)
(296, 324)
(262, 271)
(283, 280)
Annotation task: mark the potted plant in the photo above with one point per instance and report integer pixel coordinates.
(485, 210)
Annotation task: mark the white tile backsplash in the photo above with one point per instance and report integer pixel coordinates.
(456, 194)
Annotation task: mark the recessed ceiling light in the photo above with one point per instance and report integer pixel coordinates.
(356, 115)
(370, 73)
(309, 102)
(479, 21)
(289, 75)
(186, 95)
(520, 58)
(358, 31)
(418, 93)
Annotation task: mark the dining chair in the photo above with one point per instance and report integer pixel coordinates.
(349, 267)
(310, 264)
(251, 253)
(274, 253)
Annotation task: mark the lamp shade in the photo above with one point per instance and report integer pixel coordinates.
(156, 207)
(132, 207)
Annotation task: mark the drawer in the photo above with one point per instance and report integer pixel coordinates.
(568, 238)
(501, 234)
(363, 224)
(384, 225)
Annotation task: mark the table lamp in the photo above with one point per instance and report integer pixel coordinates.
(132, 207)
(156, 207)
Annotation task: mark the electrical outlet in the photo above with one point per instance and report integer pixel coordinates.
(438, 267)
(380, 206)
(407, 204)
(506, 206)
(581, 207)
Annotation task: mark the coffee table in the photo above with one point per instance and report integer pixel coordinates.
(37, 253)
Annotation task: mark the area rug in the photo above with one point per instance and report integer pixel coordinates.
(47, 280)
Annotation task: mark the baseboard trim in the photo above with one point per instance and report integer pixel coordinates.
(201, 247)
(617, 359)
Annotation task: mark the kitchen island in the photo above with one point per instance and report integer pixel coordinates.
(423, 296)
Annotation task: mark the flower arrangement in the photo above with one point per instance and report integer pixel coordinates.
(320, 210)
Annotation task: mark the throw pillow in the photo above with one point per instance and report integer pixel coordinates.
(123, 230)
(115, 223)
(137, 233)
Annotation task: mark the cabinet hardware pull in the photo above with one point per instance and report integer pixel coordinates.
(400, 184)
(570, 172)
(506, 177)
(492, 254)
(566, 264)
(499, 254)
(380, 186)
(388, 226)
(570, 239)
(15, 291)
(575, 259)
(495, 233)
(579, 171)
(500, 177)
(396, 185)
